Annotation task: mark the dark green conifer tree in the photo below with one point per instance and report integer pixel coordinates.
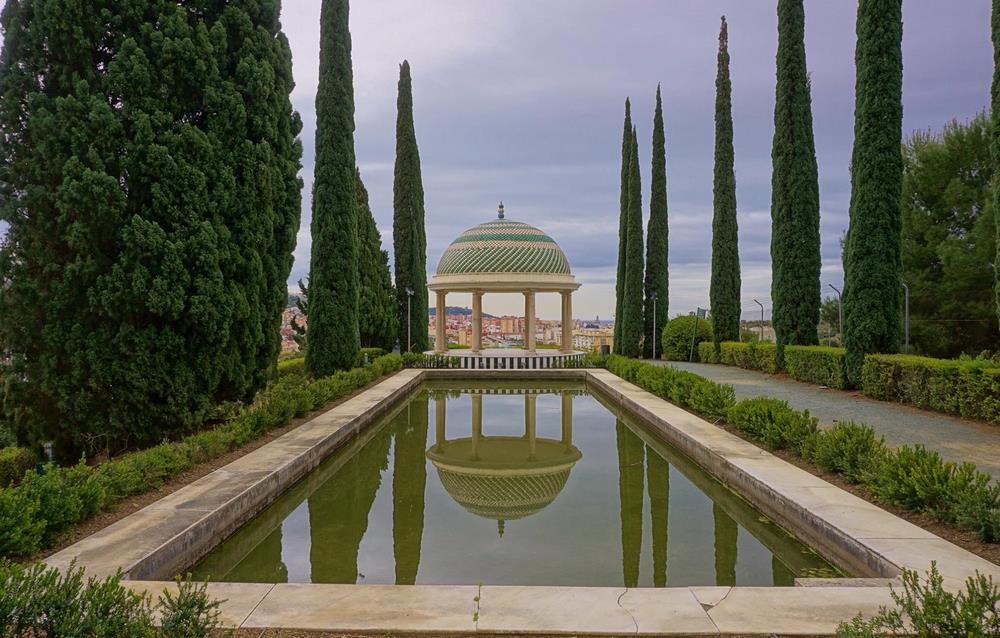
(409, 239)
(149, 179)
(724, 293)
(872, 253)
(995, 147)
(795, 247)
(377, 299)
(632, 301)
(657, 280)
(334, 337)
(623, 224)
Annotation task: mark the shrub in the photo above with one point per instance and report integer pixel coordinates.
(707, 352)
(34, 513)
(40, 601)
(756, 355)
(775, 424)
(929, 609)
(680, 387)
(821, 365)
(966, 387)
(367, 355)
(293, 365)
(14, 462)
(428, 361)
(849, 449)
(676, 341)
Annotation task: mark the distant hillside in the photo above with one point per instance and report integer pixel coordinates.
(456, 310)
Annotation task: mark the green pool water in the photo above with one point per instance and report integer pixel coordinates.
(512, 484)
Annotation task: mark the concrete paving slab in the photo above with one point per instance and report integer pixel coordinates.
(358, 608)
(669, 610)
(553, 610)
(794, 611)
(237, 599)
(954, 563)
(710, 596)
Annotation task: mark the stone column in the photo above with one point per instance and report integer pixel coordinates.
(567, 420)
(477, 321)
(477, 424)
(567, 321)
(440, 338)
(529, 321)
(530, 401)
(439, 423)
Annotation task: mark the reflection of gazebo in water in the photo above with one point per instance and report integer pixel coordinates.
(504, 478)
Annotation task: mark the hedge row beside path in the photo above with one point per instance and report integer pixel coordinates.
(914, 478)
(36, 512)
(821, 365)
(967, 387)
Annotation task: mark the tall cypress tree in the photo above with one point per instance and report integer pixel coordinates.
(724, 293)
(632, 301)
(657, 279)
(795, 247)
(377, 299)
(334, 337)
(623, 224)
(872, 254)
(409, 238)
(995, 147)
(149, 180)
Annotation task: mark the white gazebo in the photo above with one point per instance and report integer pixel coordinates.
(504, 256)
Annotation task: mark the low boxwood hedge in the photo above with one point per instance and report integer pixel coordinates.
(34, 513)
(753, 355)
(675, 340)
(686, 389)
(14, 462)
(966, 387)
(821, 365)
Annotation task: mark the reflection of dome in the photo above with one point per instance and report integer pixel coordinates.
(499, 478)
(503, 246)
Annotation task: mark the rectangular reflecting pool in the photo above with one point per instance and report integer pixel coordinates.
(517, 483)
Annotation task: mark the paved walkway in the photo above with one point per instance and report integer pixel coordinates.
(954, 438)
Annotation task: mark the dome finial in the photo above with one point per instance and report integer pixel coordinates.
(500, 211)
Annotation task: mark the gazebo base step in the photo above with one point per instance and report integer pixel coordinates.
(509, 359)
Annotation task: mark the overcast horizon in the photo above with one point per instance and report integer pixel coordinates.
(523, 101)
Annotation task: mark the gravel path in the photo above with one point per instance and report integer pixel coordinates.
(954, 438)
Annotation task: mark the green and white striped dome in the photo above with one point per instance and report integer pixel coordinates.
(503, 246)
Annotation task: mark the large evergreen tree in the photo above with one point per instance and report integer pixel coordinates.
(409, 239)
(657, 280)
(995, 147)
(632, 300)
(795, 247)
(377, 300)
(149, 179)
(334, 337)
(623, 224)
(724, 292)
(872, 261)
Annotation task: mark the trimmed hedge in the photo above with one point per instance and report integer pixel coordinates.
(430, 361)
(36, 512)
(676, 338)
(292, 365)
(754, 355)
(686, 389)
(821, 365)
(966, 387)
(14, 462)
(707, 352)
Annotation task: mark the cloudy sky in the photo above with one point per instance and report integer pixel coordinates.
(522, 100)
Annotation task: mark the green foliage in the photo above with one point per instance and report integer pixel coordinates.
(409, 236)
(966, 387)
(821, 365)
(773, 423)
(684, 389)
(623, 218)
(676, 341)
(292, 365)
(42, 601)
(657, 279)
(430, 361)
(849, 449)
(949, 241)
(632, 302)
(376, 301)
(14, 462)
(34, 513)
(872, 252)
(928, 610)
(753, 355)
(795, 245)
(708, 352)
(333, 334)
(724, 291)
(995, 145)
(150, 185)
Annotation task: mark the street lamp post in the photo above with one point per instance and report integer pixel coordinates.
(906, 318)
(761, 320)
(409, 321)
(840, 313)
(653, 297)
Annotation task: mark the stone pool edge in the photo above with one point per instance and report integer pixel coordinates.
(161, 539)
